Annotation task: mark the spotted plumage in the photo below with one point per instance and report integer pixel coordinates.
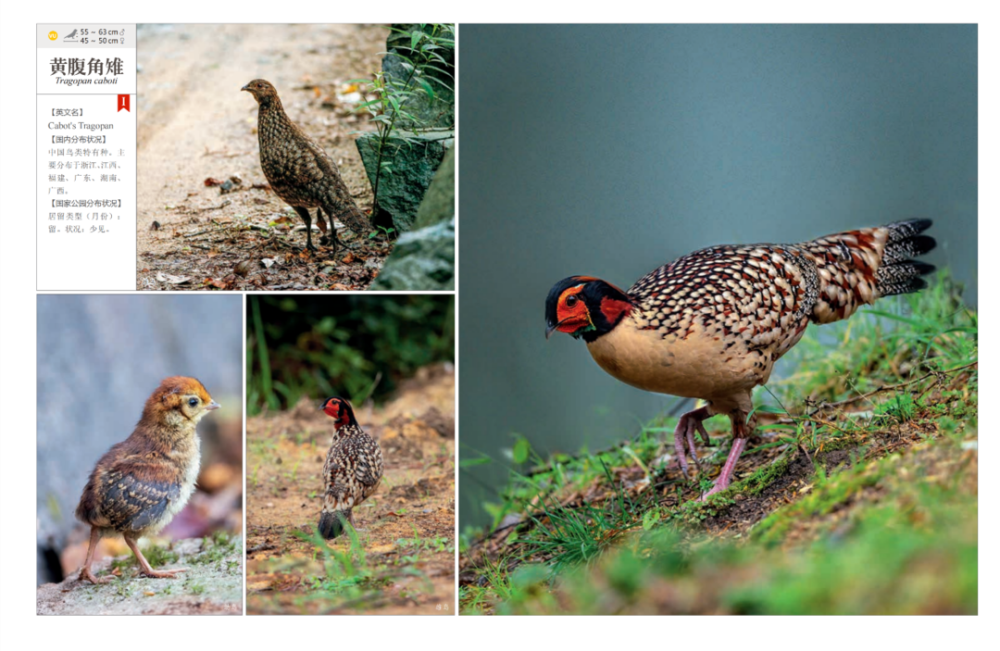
(711, 324)
(299, 171)
(352, 471)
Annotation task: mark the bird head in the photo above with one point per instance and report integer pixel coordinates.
(179, 400)
(340, 411)
(262, 91)
(583, 306)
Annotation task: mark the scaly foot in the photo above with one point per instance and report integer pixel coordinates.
(161, 574)
(684, 445)
(726, 477)
(87, 575)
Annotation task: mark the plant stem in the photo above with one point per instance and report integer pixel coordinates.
(384, 137)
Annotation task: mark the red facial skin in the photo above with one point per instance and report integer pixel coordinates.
(575, 317)
(572, 317)
(333, 409)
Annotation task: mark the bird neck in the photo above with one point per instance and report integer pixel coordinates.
(172, 430)
(607, 311)
(271, 103)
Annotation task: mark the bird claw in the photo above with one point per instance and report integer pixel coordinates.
(162, 574)
(704, 434)
(88, 576)
(685, 434)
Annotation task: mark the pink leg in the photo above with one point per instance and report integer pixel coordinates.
(85, 573)
(146, 568)
(722, 483)
(686, 427)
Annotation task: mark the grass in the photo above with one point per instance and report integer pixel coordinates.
(859, 496)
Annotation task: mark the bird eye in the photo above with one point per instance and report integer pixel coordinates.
(571, 300)
(193, 402)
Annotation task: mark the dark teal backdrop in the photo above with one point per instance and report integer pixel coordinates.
(609, 151)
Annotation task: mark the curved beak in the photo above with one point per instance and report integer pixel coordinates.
(246, 87)
(550, 329)
(212, 406)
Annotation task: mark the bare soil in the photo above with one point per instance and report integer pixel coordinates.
(206, 216)
(407, 528)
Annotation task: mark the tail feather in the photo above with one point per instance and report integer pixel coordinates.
(331, 523)
(898, 274)
(856, 268)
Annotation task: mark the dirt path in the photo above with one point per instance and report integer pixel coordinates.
(195, 124)
(403, 561)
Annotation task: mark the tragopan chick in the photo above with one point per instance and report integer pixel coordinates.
(141, 483)
(299, 171)
(712, 324)
(352, 471)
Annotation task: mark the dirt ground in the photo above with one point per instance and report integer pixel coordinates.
(206, 217)
(407, 528)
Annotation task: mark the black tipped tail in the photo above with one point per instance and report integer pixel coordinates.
(898, 274)
(331, 524)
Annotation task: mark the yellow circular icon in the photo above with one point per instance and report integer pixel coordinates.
(53, 36)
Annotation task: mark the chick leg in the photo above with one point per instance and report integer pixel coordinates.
(146, 568)
(85, 573)
(684, 434)
(307, 218)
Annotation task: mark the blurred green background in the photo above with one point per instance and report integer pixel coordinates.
(353, 346)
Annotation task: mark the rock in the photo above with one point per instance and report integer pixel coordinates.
(439, 200)
(424, 259)
(213, 585)
(414, 158)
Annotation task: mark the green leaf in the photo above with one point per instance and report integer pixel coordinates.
(427, 87)
(521, 450)
(650, 519)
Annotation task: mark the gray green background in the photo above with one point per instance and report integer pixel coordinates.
(610, 150)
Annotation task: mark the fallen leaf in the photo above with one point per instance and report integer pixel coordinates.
(260, 582)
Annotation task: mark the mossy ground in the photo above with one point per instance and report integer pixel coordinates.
(858, 494)
(212, 584)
